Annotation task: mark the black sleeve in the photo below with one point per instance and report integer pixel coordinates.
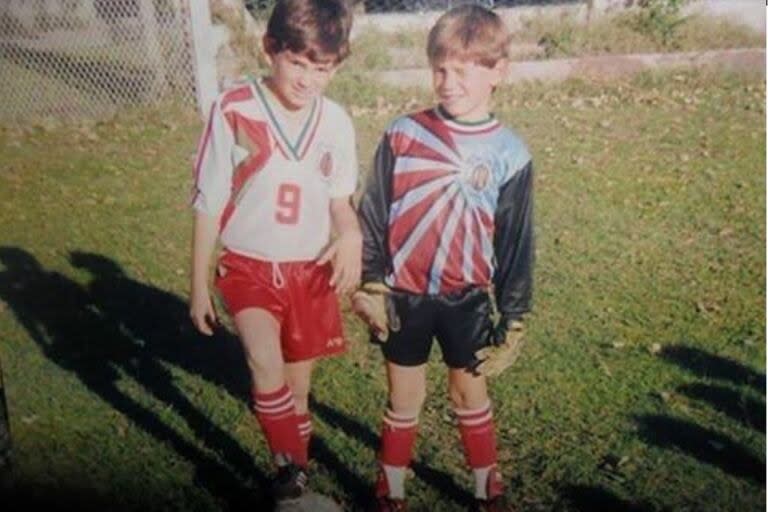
(374, 214)
(514, 245)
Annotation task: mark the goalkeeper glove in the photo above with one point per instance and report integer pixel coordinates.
(503, 347)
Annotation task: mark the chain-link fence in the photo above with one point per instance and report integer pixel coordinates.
(89, 58)
(73, 58)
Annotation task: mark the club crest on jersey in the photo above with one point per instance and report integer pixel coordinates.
(479, 177)
(325, 163)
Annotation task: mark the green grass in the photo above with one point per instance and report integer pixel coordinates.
(642, 384)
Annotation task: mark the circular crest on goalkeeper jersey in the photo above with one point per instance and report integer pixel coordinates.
(479, 177)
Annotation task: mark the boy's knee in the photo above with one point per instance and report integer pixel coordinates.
(407, 403)
(466, 399)
(265, 374)
(261, 366)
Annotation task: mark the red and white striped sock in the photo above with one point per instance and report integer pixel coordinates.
(276, 413)
(305, 432)
(398, 435)
(479, 439)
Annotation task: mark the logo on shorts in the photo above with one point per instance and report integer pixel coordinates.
(335, 342)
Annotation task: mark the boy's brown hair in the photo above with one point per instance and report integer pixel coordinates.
(469, 32)
(318, 29)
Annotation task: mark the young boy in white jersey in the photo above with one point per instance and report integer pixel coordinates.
(276, 167)
(446, 214)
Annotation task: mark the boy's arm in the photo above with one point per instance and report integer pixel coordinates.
(374, 214)
(514, 245)
(345, 250)
(514, 252)
(213, 181)
(203, 243)
(372, 302)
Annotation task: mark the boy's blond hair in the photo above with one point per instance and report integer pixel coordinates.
(469, 32)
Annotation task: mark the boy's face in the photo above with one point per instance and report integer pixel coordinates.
(464, 87)
(297, 80)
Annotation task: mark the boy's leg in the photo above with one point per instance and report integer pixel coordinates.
(298, 376)
(407, 390)
(273, 401)
(469, 395)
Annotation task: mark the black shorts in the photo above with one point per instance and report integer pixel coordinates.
(460, 322)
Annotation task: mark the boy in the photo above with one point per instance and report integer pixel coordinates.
(276, 166)
(446, 213)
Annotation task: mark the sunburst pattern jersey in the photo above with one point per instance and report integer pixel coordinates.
(450, 206)
(270, 188)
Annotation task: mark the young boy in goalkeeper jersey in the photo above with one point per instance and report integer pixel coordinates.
(276, 167)
(446, 214)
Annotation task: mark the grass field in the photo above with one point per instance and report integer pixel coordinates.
(642, 386)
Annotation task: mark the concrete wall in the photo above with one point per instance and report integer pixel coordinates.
(750, 13)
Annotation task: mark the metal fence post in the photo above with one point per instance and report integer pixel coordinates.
(204, 45)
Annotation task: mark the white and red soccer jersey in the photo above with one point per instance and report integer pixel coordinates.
(269, 186)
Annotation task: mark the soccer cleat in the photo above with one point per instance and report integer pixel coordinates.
(289, 483)
(494, 486)
(383, 502)
(495, 491)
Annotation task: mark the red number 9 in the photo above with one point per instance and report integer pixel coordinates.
(288, 203)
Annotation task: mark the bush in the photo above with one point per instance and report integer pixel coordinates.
(660, 19)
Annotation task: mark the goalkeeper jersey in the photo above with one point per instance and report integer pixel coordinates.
(271, 190)
(449, 206)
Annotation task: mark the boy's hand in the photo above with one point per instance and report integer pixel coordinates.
(202, 312)
(373, 304)
(344, 254)
(506, 343)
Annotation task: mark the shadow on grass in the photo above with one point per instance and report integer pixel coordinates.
(737, 406)
(31, 496)
(437, 479)
(707, 365)
(703, 444)
(357, 490)
(117, 326)
(583, 498)
(159, 322)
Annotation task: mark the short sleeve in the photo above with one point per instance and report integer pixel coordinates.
(213, 164)
(344, 181)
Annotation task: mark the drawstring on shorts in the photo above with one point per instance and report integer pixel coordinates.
(277, 276)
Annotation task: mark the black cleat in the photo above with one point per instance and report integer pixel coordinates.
(289, 483)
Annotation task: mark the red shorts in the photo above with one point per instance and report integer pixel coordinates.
(296, 293)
